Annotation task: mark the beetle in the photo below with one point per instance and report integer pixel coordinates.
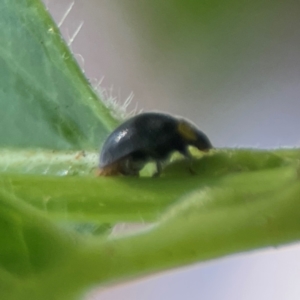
(150, 136)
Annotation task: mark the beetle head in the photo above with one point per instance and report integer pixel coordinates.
(193, 136)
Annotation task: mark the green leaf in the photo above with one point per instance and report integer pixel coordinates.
(216, 214)
(46, 101)
(86, 198)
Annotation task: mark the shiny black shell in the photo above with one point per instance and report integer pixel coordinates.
(148, 136)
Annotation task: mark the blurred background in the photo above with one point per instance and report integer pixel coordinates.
(232, 67)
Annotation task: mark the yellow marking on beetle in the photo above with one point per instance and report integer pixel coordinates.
(186, 131)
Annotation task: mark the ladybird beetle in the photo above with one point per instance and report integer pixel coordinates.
(148, 137)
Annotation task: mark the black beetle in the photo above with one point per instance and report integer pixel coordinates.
(148, 137)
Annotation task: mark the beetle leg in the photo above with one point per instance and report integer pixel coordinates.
(191, 169)
(131, 167)
(128, 168)
(190, 159)
(111, 170)
(158, 169)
